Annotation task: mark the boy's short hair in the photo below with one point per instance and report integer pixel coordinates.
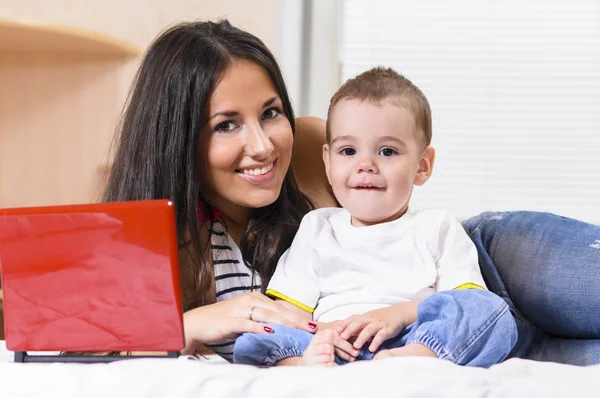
(379, 84)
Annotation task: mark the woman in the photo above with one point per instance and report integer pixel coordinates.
(210, 126)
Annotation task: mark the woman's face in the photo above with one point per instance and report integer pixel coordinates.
(247, 145)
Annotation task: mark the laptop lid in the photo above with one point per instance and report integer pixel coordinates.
(91, 277)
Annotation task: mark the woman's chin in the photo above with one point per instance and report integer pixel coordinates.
(261, 199)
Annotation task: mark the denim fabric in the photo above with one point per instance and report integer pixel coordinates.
(467, 327)
(547, 269)
(268, 349)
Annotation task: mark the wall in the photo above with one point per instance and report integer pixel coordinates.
(139, 21)
(57, 115)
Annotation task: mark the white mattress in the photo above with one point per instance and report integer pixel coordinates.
(395, 377)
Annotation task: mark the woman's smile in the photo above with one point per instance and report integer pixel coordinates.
(259, 174)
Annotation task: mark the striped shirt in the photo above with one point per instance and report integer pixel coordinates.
(232, 277)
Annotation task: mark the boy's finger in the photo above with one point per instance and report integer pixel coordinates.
(353, 328)
(378, 340)
(343, 324)
(367, 333)
(344, 355)
(345, 346)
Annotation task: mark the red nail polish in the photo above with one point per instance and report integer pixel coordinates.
(312, 325)
(268, 329)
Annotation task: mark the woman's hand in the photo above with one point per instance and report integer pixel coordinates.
(226, 320)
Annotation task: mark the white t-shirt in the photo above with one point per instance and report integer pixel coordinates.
(338, 270)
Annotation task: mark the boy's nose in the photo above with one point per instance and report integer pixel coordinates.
(367, 166)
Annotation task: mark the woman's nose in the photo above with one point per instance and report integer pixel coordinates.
(258, 142)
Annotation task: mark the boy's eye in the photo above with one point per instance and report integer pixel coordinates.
(225, 127)
(348, 151)
(387, 152)
(271, 113)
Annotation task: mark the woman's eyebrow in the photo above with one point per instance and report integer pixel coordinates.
(224, 113)
(269, 102)
(229, 113)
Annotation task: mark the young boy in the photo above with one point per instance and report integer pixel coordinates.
(381, 278)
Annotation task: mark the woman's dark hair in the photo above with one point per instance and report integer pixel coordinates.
(157, 148)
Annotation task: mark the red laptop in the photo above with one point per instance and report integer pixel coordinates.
(92, 277)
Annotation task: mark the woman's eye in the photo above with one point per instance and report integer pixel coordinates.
(225, 127)
(388, 152)
(271, 113)
(348, 151)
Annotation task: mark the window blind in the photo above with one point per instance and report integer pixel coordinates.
(515, 93)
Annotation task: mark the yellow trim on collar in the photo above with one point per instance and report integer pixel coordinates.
(276, 294)
(469, 285)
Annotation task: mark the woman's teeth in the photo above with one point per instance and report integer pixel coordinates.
(258, 171)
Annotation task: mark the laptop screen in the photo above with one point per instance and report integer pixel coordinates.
(92, 277)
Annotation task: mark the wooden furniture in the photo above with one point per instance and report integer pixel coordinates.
(60, 96)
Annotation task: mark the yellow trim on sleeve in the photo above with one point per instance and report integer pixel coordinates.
(276, 294)
(465, 286)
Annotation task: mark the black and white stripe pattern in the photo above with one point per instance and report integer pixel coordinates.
(232, 277)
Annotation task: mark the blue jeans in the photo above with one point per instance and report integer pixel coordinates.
(468, 327)
(547, 269)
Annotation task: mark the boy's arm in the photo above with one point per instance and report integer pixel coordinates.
(405, 313)
(458, 262)
(295, 279)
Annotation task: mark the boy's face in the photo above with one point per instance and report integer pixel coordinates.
(375, 157)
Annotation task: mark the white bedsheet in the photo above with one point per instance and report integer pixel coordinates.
(396, 377)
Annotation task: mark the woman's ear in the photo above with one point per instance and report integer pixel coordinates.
(425, 165)
(326, 160)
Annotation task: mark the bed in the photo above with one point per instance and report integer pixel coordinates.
(211, 377)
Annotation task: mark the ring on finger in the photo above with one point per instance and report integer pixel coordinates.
(250, 312)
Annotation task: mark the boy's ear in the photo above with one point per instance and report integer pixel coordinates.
(326, 160)
(425, 165)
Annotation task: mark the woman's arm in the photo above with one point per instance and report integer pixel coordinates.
(296, 310)
(226, 320)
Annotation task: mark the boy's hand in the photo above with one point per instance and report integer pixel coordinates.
(378, 325)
